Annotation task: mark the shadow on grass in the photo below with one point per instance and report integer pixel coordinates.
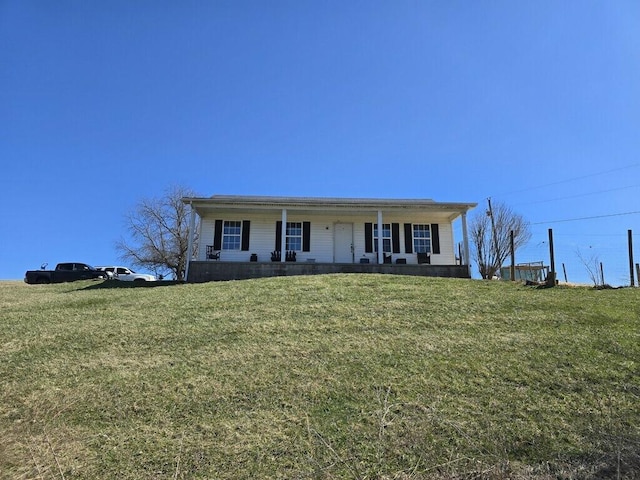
(119, 284)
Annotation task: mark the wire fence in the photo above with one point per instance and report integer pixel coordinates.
(590, 216)
(588, 258)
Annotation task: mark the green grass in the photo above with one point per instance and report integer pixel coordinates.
(339, 376)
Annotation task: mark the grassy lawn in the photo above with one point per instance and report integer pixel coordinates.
(337, 376)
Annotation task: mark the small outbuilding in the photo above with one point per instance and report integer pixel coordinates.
(531, 272)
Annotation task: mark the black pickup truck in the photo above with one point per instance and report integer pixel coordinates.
(64, 272)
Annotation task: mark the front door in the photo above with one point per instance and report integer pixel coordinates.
(343, 243)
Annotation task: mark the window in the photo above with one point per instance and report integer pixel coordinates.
(386, 237)
(231, 235)
(294, 236)
(421, 239)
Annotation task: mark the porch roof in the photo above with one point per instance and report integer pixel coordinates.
(202, 205)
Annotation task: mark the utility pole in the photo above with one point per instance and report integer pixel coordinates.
(493, 234)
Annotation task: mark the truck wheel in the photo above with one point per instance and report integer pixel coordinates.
(138, 280)
(42, 280)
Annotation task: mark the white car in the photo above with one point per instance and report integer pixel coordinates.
(127, 275)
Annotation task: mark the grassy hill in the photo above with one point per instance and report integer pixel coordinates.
(340, 376)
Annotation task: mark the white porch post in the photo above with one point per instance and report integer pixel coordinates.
(192, 227)
(465, 240)
(283, 243)
(380, 252)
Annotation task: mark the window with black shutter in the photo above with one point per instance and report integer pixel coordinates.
(435, 238)
(246, 226)
(278, 235)
(217, 235)
(368, 237)
(395, 237)
(408, 238)
(306, 236)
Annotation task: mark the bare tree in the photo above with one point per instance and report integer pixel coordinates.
(490, 233)
(592, 264)
(159, 233)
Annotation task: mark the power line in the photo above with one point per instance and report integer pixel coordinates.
(587, 218)
(578, 196)
(586, 234)
(572, 179)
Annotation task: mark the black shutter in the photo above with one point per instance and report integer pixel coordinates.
(306, 236)
(368, 237)
(246, 226)
(217, 235)
(435, 238)
(408, 238)
(395, 237)
(278, 235)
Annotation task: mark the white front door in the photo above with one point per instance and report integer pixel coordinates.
(343, 243)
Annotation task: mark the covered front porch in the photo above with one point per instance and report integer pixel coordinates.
(241, 237)
(207, 271)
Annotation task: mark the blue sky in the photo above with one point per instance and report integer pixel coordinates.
(536, 104)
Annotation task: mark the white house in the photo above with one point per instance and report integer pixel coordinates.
(256, 236)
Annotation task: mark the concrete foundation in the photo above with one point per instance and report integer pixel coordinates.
(208, 271)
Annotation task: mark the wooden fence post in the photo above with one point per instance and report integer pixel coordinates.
(513, 259)
(551, 279)
(630, 234)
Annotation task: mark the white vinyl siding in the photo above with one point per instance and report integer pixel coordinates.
(263, 227)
